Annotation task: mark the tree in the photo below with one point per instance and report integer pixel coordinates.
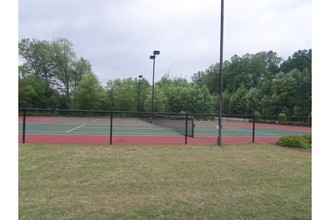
(200, 101)
(235, 73)
(237, 103)
(55, 64)
(109, 95)
(211, 78)
(80, 69)
(252, 98)
(38, 59)
(89, 93)
(267, 80)
(198, 78)
(64, 58)
(124, 95)
(272, 62)
(35, 93)
(285, 91)
(300, 60)
(160, 100)
(306, 92)
(182, 96)
(141, 86)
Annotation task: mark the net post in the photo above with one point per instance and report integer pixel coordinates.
(186, 131)
(24, 124)
(253, 128)
(111, 126)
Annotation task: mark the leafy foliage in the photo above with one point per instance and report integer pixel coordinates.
(299, 141)
(308, 137)
(262, 82)
(51, 76)
(281, 118)
(89, 93)
(55, 65)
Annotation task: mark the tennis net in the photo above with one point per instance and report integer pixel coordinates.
(182, 124)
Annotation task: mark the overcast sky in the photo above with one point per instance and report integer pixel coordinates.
(118, 36)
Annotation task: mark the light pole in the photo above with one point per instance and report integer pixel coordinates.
(153, 57)
(220, 74)
(139, 106)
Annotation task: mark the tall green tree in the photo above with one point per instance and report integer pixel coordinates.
(81, 67)
(299, 60)
(237, 102)
(183, 96)
(64, 58)
(122, 94)
(109, 95)
(271, 84)
(125, 95)
(285, 91)
(38, 59)
(160, 100)
(90, 95)
(141, 88)
(252, 99)
(200, 100)
(35, 93)
(271, 61)
(55, 64)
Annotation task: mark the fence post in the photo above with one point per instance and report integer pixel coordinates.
(193, 127)
(111, 123)
(24, 124)
(186, 131)
(254, 128)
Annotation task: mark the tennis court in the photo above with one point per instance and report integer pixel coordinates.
(106, 130)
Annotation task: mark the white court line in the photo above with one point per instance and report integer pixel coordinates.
(75, 128)
(96, 120)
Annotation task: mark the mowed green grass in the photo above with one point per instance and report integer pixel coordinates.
(249, 181)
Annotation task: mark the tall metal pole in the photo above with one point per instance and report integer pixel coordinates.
(153, 84)
(153, 57)
(139, 105)
(220, 74)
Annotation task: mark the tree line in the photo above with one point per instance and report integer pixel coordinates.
(51, 76)
(263, 83)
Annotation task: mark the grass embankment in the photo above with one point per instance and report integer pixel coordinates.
(250, 181)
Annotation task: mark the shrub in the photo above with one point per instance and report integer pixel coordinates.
(308, 137)
(282, 118)
(257, 116)
(300, 141)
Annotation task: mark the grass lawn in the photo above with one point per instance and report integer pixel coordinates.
(249, 181)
